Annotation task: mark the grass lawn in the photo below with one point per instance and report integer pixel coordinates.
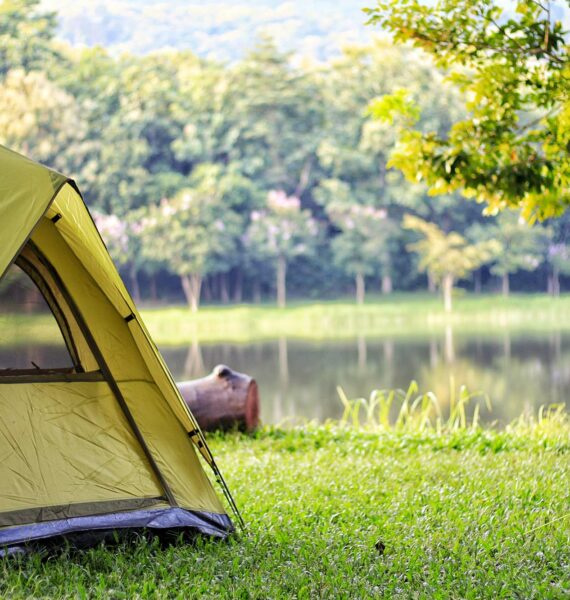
(395, 315)
(340, 513)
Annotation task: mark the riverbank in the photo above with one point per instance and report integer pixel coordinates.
(343, 513)
(395, 315)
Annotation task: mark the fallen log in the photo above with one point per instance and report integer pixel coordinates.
(223, 400)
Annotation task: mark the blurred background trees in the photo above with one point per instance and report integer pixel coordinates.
(261, 178)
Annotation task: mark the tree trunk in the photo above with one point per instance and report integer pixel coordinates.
(360, 288)
(152, 287)
(134, 280)
(225, 399)
(207, 289)
(555, 282)
(550, 285)
(238, 287)
(257, 292)
(431, 283)
(281, 279)
(447, 289)
(505, 285)
(478, 281)
(224, 293)
(386, 284)
(191, 285)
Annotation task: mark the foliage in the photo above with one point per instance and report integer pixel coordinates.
(280, 232)
(192, 233)
(448, 257)
(334, 511)
(38, 117)
(365, 236)
(26, 35)
(134, 129)
(418, 412)
(512, 67)
(522, 247)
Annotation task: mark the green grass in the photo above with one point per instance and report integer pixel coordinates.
(396, 315)
(401, 314)
(461, 513)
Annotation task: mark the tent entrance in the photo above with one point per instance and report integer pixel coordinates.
(39, 391)
(31, 280)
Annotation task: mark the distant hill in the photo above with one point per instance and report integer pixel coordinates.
(221, 29)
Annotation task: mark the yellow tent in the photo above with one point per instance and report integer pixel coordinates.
(108, 443)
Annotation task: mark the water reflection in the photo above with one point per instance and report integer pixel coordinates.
(298, 379)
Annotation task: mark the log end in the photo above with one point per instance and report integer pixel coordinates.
(223, 400)
(252, 407)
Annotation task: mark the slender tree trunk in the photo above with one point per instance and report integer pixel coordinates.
(431, 283)
(207, 289)
(478, 281)
(152, 287)
(555, 282)
(224, 292)
(134, 280)
(281, 279)
(238, 286)
(386, 284)
(505, 285)
(447, 289)
(191, 284)
(257, 292)
(360, 288)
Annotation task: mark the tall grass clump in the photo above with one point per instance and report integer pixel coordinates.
(412, 411)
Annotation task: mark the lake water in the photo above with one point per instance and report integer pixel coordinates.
(519, 372)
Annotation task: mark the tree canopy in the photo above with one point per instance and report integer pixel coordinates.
(510, 61)
(270, 175)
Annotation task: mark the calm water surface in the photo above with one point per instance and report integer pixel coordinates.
(518, 371)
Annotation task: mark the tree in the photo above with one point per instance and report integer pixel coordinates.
(40, 119)
(123, 238)
(511, 65)
(448, 257)
(522, 246)
(279, 232)
(192, 234)
(279, 114)
(362, 244)
(204, 106)
(558, 252)
(26, 36)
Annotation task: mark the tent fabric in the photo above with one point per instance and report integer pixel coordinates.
(167, 518)
(21, 206)
(113, 435)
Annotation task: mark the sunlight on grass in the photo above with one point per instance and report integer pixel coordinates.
(342, 511)
(397, 315)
